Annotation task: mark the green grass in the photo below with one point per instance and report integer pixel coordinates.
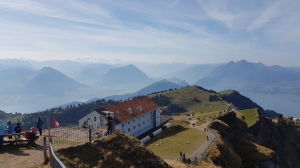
(250, 116)
(178, 138)
(186, 97)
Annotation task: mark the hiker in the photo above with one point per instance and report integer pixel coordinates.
(39, 125)
(1, 135)
(9, 129)
(207, 138)
(18, 128)
(180, 155)
(188, 161)
(204, 129)
(109, 124)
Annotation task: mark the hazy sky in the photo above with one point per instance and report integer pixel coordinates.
(189, 31)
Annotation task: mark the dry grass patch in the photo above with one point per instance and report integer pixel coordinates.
(118, 150)
(252, 152)
(221, 154)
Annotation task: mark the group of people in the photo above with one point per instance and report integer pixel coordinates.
(18, 129)
(183, 159)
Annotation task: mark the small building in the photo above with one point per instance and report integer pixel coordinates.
(133, 117)
(288, 118)
(295, 119)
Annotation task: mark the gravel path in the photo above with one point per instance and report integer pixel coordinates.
(201, 149)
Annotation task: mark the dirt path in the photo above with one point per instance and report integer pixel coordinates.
(22, 155)
(201, 149)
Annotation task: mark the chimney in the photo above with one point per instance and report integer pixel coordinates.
(129, 110)
(140, 107)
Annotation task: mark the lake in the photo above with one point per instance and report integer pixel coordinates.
(285, 104)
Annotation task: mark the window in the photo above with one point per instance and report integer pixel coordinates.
(128, 129)
(133, 127)
(95, 118)
(139, 125)
(133, 120)
(144, 122)
(147, 120)
(128, 122)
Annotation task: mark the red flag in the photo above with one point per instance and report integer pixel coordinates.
(56, 124)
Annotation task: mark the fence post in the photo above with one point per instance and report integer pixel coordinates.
(90, 134)
(45, 149)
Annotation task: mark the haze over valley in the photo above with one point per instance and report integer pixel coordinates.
(30, 86)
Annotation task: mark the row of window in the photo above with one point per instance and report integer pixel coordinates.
(138, 125)
(147, 114)
(142, 130)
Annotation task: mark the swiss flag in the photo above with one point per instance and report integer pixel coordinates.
(56, 124)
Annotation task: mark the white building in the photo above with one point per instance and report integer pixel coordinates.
(133, 117)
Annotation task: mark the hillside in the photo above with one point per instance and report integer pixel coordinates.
(252, 77)
(235, 147)
(118, 150)
(243, 102)
(281, 137)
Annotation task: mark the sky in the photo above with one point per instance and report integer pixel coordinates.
(157, 31)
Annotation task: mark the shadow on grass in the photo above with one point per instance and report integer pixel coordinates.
(169, 132)
(18, 149)
(249, 152)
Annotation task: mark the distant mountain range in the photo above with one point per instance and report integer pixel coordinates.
(252, 77)
(123, 76)
(69, 81)
(194, 73)
(159, 86)
(91, 73)
(46, 81)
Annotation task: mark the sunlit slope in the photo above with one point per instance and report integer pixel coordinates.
(194, 99)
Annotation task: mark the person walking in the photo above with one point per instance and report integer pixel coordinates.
(39, 125)
(1, 135)
(180, 155)
(207, 138)
(18, 129)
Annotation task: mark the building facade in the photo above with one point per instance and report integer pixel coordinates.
(133, 117)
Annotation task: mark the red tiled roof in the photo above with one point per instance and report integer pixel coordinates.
(124, 115)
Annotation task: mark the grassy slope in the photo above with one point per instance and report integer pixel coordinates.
(179, 138)
(250, 116)
(186, 97)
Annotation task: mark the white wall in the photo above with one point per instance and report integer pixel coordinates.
(138, 125)
(157, 117)
(93, 119)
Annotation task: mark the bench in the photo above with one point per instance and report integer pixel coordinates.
(14, 140)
